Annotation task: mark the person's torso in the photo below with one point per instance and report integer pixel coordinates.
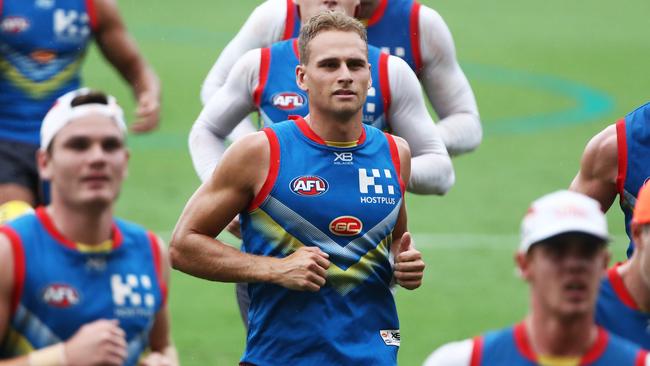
(42, 46)
(346, 202)
(62, 288)
(617, 312)
(633, 134)
(278, 97)
(511, 347)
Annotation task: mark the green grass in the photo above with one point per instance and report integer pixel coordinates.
(510, 50)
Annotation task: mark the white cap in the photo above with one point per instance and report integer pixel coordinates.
(62, 112)
(562, 212)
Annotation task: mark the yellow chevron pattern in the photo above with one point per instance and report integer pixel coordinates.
(37, 89)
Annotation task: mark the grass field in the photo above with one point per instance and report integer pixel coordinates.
(547, 75)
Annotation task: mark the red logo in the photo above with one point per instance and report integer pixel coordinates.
(14, 25)
(309, 185)
(288, 100)
(43, 56)
(60, 295)
(346, 226)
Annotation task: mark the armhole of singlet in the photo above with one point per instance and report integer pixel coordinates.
(477, 351)
(641, 358)
(289, 20)
(92, 14)
(19, 267)
(394, 154)
(157, 262)
(415, 36)
(265, 60)
(384, 84)
(621, 144)
(274, 167)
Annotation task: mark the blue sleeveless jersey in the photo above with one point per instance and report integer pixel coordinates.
(633, 137)
(277, 96)
(42, 46)
(617, 311)
(346, 202)
(511, 347)
(57, 289)
(394, 28)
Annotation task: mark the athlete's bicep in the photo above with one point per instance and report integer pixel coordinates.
(6, 283)
(452, 354)
(599, 168)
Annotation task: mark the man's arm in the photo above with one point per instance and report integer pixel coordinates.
(226, 108)
(232, 187)
(121, 51)
(160, 341)
(447, 87)
(599, 168)
(262, 28)
(432, 170)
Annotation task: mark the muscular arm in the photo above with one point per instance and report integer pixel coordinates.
(226, 108)
(405, 172)
(262, 28)
(121, 51)
(599, 168)
(447, 87)
(6, 289)
(432, 171)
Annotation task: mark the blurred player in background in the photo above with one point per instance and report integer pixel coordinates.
(615, 162)
(563, 257)
(318, 233)
(405, 28)
(264, 80)
(78, 286)
(42, 47)
(623, 305)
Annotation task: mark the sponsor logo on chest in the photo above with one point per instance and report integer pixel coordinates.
(376, 186)
(309, 185)
(346, 226)
(12, 24)
(71, 25)
(60, 295)
(132, 295)
(288, 100)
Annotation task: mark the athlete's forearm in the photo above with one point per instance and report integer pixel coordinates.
(431, 174)
(461, 132)
(206, 148)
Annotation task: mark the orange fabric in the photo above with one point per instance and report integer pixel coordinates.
(642, 209)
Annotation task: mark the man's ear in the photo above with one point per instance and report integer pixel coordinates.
(301, 77)
(44, 164)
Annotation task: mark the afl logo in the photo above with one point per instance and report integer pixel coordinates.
(288, 100)
(14, 24)
(60, 295)
(346, 226)
(309, 185)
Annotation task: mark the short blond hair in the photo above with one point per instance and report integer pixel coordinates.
(329, 20)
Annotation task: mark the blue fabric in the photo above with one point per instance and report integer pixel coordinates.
(392, 33)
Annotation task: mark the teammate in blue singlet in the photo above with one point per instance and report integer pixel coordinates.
(42, 47)
(78, 286)
(322, 212)
(624, 301)
(562, 256)
(615, 162)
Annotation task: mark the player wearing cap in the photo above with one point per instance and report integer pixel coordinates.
(562, 256)
(615, 162)
(411, 31)
(623, 305)
(319, 235)
(78, 286)
(265, 80)
(42, 47)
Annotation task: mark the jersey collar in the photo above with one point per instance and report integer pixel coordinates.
(310, 134)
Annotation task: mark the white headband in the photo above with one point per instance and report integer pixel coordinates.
(63, 112)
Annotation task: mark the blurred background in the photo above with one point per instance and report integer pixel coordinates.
(547, 75)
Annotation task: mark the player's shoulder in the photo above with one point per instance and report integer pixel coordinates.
(270, 12)
(604, 145)
(452, 354)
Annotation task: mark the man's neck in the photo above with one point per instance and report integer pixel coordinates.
(334, 129)
(367, 9)
(89, 226)
(552, 336)
(636, 286)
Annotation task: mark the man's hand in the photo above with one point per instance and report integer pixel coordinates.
(147, 113)
(156, 359)
(305, 269)
(101, 342)
(409, 266)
